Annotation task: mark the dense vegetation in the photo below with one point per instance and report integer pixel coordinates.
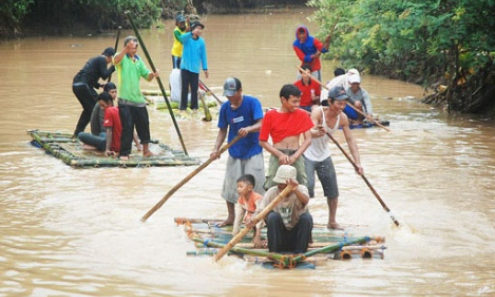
(445, 43)
(55, 16)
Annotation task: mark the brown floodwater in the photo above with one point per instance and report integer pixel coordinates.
(75, 232)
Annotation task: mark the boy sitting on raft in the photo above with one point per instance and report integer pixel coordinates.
(246, 204)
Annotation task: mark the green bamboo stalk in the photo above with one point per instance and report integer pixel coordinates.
(272, 256)
(328, 249)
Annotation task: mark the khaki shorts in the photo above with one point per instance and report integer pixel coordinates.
(273, 165)
(238, 167)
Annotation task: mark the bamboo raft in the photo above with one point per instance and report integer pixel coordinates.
(366, 125)
(326, 244)
(70, 151)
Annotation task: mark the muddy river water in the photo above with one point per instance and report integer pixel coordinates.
(75, 232)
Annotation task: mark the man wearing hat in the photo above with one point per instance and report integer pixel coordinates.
(359, 98)
(86, 83)
(193, 59)
(317, 158)
(181, 27)
(289, 225)
(242, 115)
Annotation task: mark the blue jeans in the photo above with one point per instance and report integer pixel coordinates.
(99, 141)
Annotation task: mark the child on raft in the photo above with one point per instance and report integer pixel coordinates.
(246, 204)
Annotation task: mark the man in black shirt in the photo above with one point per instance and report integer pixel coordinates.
(86, 83)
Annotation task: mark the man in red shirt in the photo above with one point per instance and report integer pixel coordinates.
(285, 126)
(111, 123)
(310, 90)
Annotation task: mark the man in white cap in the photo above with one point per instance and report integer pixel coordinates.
(317, 156)
(359, 98)
(289, 225)
(242, 115)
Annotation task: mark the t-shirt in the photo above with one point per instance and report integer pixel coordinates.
(362, 96)
(193, 54)
(290, 208)
(280, 125)
(130, 71)
(177, 46)
(92, 71)
(306, 99)
(245, 115)
(250, 204)
(112, 120)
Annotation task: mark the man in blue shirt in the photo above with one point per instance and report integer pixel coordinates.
(193, 58)
(243, 115)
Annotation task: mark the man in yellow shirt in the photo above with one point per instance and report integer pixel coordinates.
(181, 27)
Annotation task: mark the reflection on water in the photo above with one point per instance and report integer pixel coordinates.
(67, 232)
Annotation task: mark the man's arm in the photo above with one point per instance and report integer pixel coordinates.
(301, 196)
(102, 68)
(118, 58)
(302, 148)
(351, 142)
(222, 134)
(253, 128)
(109, 141)
(367, 103)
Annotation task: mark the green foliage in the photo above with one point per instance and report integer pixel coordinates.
(409, 39)
(13, 11)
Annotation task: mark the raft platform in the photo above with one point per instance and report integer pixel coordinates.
(71, 152)
(366, 125)
(327, 244)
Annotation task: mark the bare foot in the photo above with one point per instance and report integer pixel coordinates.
(147, 154)
(227, 222)
(88, 147)
(124, 158)
(335, 226)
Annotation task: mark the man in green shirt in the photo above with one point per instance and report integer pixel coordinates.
(132, 106)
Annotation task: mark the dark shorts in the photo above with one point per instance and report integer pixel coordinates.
(326, 174)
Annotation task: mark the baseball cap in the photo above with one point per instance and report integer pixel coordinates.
(180, 18)
(338, 93)
(354, 79)
(195, 24)
(231, 86)
(284, 172)
(109, 52)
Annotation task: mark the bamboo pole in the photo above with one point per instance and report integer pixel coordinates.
(260, 216)
(327, 249)
(352, 106)
(213, 94)
(385, 207)
(160, 84)
(187, 178)
(273, 256)
(115, 49)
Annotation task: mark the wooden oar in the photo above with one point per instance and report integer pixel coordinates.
(187, 178)
(115, 48)
(258, 218)
(351, 105)
(141, 42)
(213, 94)
(385, 207)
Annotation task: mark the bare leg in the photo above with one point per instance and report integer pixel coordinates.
(231, 216)
(332, 213)
(146, 150)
